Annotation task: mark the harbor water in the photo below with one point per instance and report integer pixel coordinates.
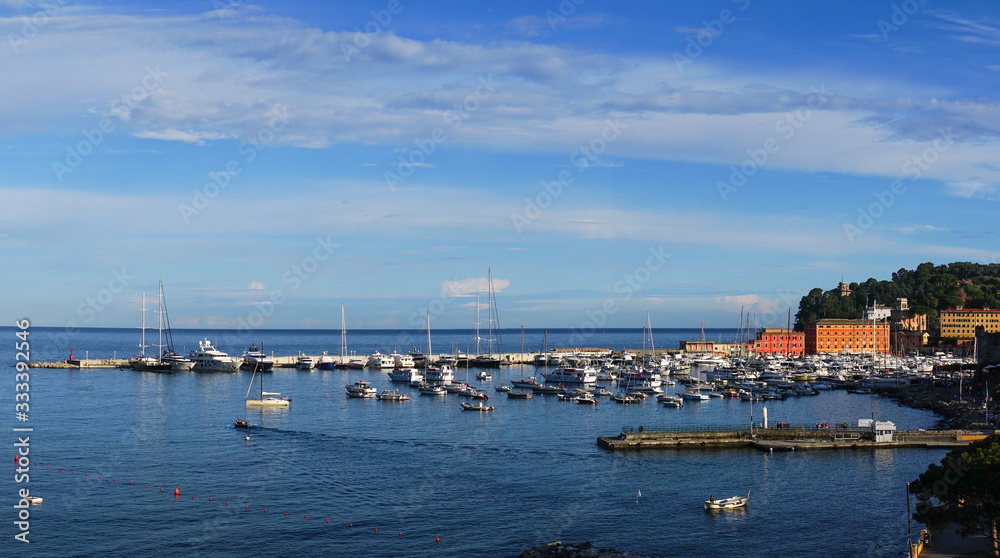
(422, 477)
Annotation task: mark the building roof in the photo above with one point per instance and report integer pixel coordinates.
(835, 321)
(971, 310)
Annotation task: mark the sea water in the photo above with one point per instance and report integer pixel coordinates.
(421, 478)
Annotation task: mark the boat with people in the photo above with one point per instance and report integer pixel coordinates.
(361, 389)
(240, 423)
(727, 503)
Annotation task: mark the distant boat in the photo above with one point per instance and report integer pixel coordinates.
(305, 362)
(392, 395)
(433, 390)
(484, 376)
(407, 375)
(378, 360)
(518, 395)
(728, 503)
(240, 423)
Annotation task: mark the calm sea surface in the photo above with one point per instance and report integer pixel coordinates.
(485, 484)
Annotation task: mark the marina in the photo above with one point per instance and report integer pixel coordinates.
(304, 456)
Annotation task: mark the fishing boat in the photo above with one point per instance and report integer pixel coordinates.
(728, 503)
(266, 399)
(476, 407)
(393, 395)
(361, 389)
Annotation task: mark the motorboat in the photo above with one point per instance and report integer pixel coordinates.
(503, 389)
(586, 398)
(356, 364)
(476, 407)
(255, 359)
(33, 499)
(326, 362)
(361, 389)
(240, 423)
(305, 362)
(380, 361)
(728, 503)
(433, 390)
(625, 399)
(672, 402)
(519, 395)
(208, 359)
(695, 395)
(393, 395)
(408, 375)
(484, 376)
(402, 361)
(602, 392)
(440, 375)
(530, 383)
(572, 376)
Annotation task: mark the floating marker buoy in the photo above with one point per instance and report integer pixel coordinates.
(438, 539)
(265, 510)
(286, 514)
(227, 502)
(86, 474)
(376, 529)
(60, 469)
(327, 520)
(114, 480)
(100, 476)
(209, 498)
(161, 490)
(307, 517)
(130, 482)
(352, 525)
(192, 496)
(401, 534)
(146, 486)
(177, 492)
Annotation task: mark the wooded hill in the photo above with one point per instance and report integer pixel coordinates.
(929, 289)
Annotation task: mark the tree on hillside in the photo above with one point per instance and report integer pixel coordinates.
(964, 489)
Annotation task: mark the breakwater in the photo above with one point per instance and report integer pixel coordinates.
(782, 437)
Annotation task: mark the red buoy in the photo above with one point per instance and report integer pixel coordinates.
(376, 529)
(307, 517)
(327, 520)
(86, 474)
(209, 498)
(438, 539)
(177, 492)
(286, 514)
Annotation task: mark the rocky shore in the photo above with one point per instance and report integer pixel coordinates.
(955, 414)
(575, 550)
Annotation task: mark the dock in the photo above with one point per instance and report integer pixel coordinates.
(782, 438)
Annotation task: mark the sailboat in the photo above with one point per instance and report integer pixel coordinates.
(142, 362)
(168, 360)
(266, 399)
(522, 383)
(488, 360)
(342, 363)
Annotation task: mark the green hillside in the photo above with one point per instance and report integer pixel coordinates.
(928, 288)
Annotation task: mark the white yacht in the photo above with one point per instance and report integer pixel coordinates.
(584, 375)
(442, 375)
(305, 362)
(408, 375)
(207, 359)
(255, 359)
(380, 361)
(402, 361)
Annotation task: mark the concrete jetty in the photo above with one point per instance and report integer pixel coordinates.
(782, 438)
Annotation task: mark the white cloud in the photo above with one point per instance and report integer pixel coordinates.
(255, 286)
(472, 285)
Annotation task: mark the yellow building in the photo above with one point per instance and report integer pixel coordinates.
(961, 324)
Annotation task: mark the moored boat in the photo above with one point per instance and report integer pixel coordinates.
(727, 503)
(361, 389)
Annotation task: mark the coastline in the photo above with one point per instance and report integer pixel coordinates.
(955, 413)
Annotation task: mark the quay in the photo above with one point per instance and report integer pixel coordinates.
(784, 438)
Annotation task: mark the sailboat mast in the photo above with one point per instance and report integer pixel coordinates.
(142, 327)
(429, 353)
(343, 336)
(489, 296)
(166, 319)
(477, 324)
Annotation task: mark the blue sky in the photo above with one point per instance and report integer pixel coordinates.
(272, 160)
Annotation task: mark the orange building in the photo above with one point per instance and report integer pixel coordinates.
(835, 336)
(779, 341)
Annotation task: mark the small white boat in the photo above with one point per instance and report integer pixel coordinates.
(602, 392)
(727, 503)
(503, 389)
(586, 398)
(477, 407)
(626, 399)
(361, 389)
(672, 402)
(305, 362)
(484, 376)
(33, 499)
